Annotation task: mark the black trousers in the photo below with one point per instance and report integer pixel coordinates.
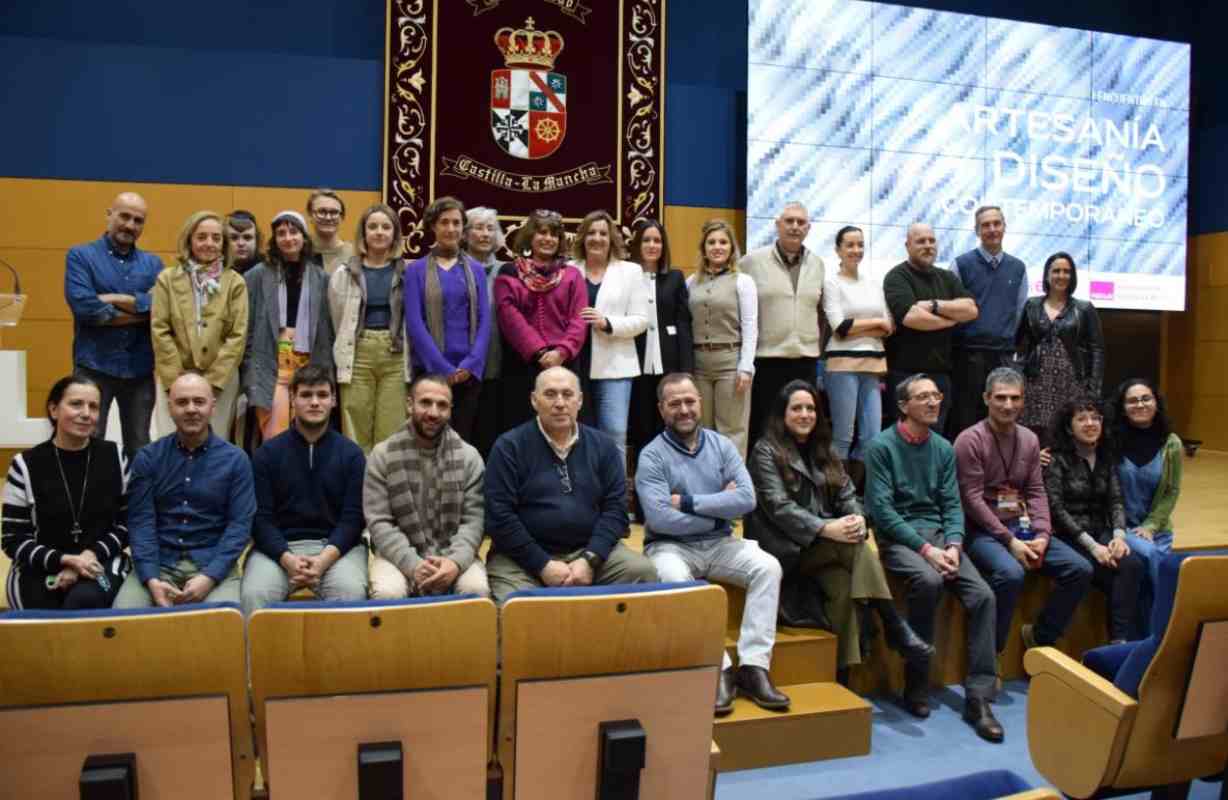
(771, 375)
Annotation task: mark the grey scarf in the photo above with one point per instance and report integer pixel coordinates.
(303, 334)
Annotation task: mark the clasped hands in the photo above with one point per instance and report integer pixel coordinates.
(1030, 554)
(563, 573)
(850, 529)
(72, 568)
(166, 594)
(435, 575)
(945, 561)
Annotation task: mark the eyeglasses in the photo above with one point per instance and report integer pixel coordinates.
(926, 397)
(1145, 400)
(326, 213)
(564, 476)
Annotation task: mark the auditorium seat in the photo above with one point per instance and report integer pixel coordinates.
(1162, 719)
(167, 685)
(574, 658)
(417, 675)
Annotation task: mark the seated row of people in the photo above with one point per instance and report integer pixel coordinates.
(555, 509)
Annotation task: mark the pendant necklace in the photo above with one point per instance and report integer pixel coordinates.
(76, 531)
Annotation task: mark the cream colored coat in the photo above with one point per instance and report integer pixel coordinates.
(788, 321)
(215, 348)
(347, 305)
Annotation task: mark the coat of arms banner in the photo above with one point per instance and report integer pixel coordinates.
(525, 104)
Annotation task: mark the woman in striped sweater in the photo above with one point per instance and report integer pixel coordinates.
(66, 508)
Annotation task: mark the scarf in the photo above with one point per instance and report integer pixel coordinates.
(1140, 445)
(429, 529)
(434, 299)
(540, 277)
(204, 280)
(303, 334)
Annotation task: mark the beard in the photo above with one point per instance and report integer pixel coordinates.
(422, 432)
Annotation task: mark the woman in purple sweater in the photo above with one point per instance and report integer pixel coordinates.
(447, 313)
(538, 298)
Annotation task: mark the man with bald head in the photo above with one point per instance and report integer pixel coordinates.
(926, 304)
(107, 286)
(190, 508)
(556, 499)
(789, 282)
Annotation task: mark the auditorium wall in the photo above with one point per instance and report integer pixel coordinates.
(247, 105)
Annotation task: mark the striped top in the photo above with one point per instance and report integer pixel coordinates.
(38, 512)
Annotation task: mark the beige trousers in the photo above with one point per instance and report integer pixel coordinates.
(724, 410)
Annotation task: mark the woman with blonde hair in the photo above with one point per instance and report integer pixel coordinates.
(198, 320)
(616, 312)
(725, 328)
(366, 306)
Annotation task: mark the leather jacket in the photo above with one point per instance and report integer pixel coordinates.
(1077, 328)
(789, 514)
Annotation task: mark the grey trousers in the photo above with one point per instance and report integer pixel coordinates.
(925, 587)
(134, 594)
(623, 566)
(265, 582)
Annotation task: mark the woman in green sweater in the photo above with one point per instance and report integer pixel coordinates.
(1148, 456)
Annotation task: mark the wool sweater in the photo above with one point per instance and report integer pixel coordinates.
(987, 463)
(667, 467)
(529, 514)
(911, 488)
(307, 491)
(788, 317)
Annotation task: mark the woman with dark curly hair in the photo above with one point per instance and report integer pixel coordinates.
(1088, 512)
(1148, 458)
(808, 516)
(1062, 346)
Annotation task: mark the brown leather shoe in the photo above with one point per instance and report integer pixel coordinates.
(755, 683)
(726, 691)
(979, 715)
(915, 703)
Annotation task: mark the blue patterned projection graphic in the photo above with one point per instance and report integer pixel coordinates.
(880, 116)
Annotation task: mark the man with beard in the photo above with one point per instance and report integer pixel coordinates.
(190, 509)
(308, 505)
(556, 499)
(926, 304)
(423, 502)
(912, 498)
(692, 484)
(246, 243)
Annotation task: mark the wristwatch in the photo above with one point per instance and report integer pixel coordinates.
(934, 308)
(593, 560)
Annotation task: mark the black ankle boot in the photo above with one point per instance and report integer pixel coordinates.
(867, 629)
(900, 635)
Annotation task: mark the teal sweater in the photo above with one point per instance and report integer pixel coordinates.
(912, 488)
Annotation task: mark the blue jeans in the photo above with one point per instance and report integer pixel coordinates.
(136, 403)
(611, 403)
(1153, 553)
(853, 396)
(1071, 572)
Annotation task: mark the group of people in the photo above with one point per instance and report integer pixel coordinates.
(702, 406)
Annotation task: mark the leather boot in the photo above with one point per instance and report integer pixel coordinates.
(755, 683)
(900, 635)
(797, 608)
(979, 715)
(857, 474)
(726, 691)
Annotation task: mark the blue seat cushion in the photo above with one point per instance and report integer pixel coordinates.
(977, 786)
(596, 591)
(1130, 675)
(102, 613)
(332, 605)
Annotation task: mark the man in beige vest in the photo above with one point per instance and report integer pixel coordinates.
(789, 281)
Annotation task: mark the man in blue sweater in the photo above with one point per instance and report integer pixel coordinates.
(556, 499)
(912, 499)
(999, 283)
(308, 505)
(692, 484)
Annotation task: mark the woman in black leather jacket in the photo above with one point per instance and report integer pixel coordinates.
(1062, 346)
(809, 518)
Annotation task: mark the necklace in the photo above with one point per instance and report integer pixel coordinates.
(76, 515)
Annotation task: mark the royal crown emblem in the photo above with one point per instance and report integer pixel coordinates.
(528, 100)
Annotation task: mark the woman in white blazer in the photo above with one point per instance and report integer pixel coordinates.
(617, 312)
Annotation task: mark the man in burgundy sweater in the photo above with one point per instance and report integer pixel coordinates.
(1007, 513)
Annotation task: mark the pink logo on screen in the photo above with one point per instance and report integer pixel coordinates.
(1102, 290)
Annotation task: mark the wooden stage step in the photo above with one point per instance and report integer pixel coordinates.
(824, 720)
(801, 655)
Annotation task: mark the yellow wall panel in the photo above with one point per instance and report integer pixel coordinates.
(42, 280)
(683, 224)
(1211, 313)
(49, 348)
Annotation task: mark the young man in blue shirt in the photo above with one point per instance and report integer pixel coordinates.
(190, 509)
(107, 286)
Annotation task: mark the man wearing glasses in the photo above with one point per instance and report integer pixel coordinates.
(912, 499)
(556, 499)
(327, 210)
(692, 484)
(422, 498)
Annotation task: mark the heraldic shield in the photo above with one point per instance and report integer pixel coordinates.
(528, 111)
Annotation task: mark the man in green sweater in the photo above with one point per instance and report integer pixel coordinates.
(912, 499)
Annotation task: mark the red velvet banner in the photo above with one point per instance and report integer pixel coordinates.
(525, 104)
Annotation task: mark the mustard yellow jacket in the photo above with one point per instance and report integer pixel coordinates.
(215, 347)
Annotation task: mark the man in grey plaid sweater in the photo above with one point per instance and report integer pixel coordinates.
(422, 498)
